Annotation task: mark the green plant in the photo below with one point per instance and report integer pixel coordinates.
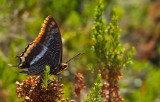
(46, 77)
(110, 53)
(94, 93)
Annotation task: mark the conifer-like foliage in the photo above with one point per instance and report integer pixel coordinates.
(94, 93)
(110, 53)
(46, 77)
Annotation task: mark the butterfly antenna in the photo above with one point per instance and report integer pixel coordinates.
(74, 57)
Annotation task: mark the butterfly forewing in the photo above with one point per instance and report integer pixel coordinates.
(46, 49)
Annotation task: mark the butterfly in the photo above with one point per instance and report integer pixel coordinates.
(45, 49)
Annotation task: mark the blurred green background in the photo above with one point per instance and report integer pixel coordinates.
(21, 20)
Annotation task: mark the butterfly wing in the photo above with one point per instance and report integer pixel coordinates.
(46, 49)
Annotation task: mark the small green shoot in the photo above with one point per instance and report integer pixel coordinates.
(94, 93)
(46, 76)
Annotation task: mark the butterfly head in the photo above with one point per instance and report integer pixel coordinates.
(64, 66)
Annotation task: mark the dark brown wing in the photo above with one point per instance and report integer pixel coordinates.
(46, 49)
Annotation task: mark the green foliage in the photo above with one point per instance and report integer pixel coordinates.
(46, 76)
(141, 83)
(9, 75)
(106, 41)
(114, 49)
(109, 51)
(99, 34)
(94, 93)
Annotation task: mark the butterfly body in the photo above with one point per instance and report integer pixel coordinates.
(46, 49)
